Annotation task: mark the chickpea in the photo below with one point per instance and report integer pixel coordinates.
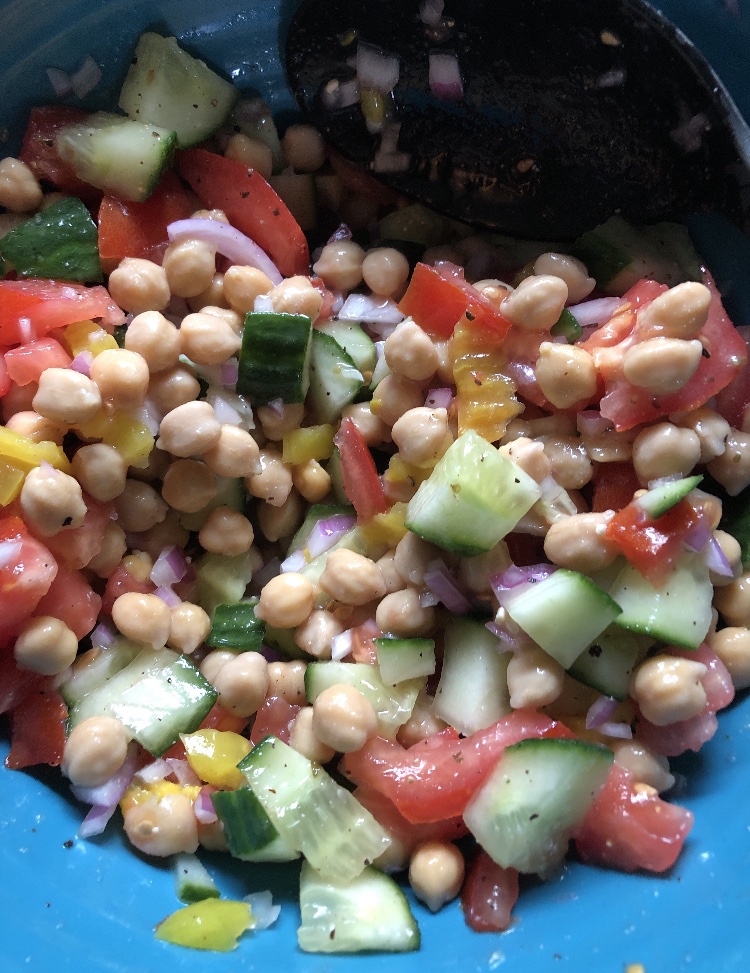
(395, 396)
(235, 454)
(711, 429)
(646, 766)
(226, 531)
(732, 468)
(534, 677)
(66, 396)
(190, 266)
(189, 486)
(663, 450)
(351, 578)
(212, 663)
(302, 738)
(608, 446)
(173, 387)
(114, 545)
(579, 543)
(277, 423)
(440, 252)
(570, 464)
(569, 269)
(403, 615)
(680, 312)
(45, 645)
(529, 455)
(36, 428)
(662, 365)
(385, 271)
(189, 626)
(422, 724)
(391, 578)
(242, 285)
(155, 339)
(287, 679)
(374, 431)
(242, 683)
(189, 430)
(234, 319)
(20, 191)
(476, 573)
(422, 435)
(343, 718)
(164, 827)
(94, 751)
(733, 601)
(251, 152)
(211, 836)
(444, 351)
(340, 265)
(546, 427)
(122, 377)
(304, 148)
(732, 551)
(139, 507)
(412, 558)
(436, 873)
(213, 295)
(668, 689)
(286, 600)
(274, 482)
(52, 500)
(732, 645)
(537, 303)
(311, 480)
(410, 352)
(207, 339)
(317, 632)
(566, 374)
(142, 618)
(139, 285)
(281, 522)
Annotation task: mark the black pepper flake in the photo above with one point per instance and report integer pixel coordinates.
(67, 522)
(244, 194)
(533, 817)
(705, 353)
(68, 843)
(470, 316)
(332, 933)
(277, 212)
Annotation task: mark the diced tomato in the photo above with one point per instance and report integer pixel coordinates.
(78, 545)
(250, 204)
(434, 779)
(221, 719)
(274, 718)
(614, 486)
(732, 402)
(120, 582)
(358, 471)
(439, 297)
(71, 599)
(15, 683)
(37, 730)
(525, 549)
(631, 829)
(27, 570)
(128, 229)
(407, 834)
(32, 308)
(617, 329)
(363, 647)
(39, 152)
(329, 299)
(26, 363)
(725, 353)
(359, 181)
(489, 894)
(653, 546)
(5, 382)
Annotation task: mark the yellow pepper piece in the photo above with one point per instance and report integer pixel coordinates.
(139, 793)
(11, 481)
(399, 472)
(24, 454)
(87, 336)
(310, 442)
(214, 755)
(387, 528)
(485, 395)
(130, 437)
(214, 924)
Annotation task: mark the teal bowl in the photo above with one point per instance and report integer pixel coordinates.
(73, 906)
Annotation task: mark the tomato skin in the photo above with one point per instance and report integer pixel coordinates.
(71, 599)
(361, 481)
(407, 834)
(15, 683)
(39, 153)
(32, 308)
(38, 730)
(77, 546)
(435, 779)
(26, 575)
(26, 363)
(631, 830)
(250, 204)
(489, 894)
(120, 582)
(359, 181)
(614, 486)
(274, 718)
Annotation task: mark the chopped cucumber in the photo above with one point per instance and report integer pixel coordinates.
(566, 327)
(92, 669)
(158, 696)
(192, 881)
(393, 705)
(248, 830)
(275, 357)
(358, 345)
(524, 813)
(236, 627)
(473, 690)
(222, 580)
(381, 370)
(61, 242)
(608, 663)
(563, 614)
(313, 813)
(352, 540)
(660, 499)
(116, 154)
(402, 659)
(252, 117)
(369, 913)
(472, 499)
(679, 613)
(335, 381)
(166, 86)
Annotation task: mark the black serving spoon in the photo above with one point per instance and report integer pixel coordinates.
(572, 110)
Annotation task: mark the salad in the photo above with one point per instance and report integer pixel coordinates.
(403, 555)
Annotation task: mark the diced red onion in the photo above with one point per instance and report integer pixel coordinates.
(445, 76)
(376, 69)
(341, 645)
(336, 94)
(515, 576)
(229, 372)
(601, 710)
(82, 363)
(592, 423)
(170, 598)
(611, 79)
(441, 582)
(103, 636)
(203, 808)
(597, 311)
(326, 532)
(391, 161)
(263, 304)
(86, 78)
(269, 570)
(150, 416)
(294, 562)
(341, 233)
(264, 912)
(370, 310)
(430, 12)
(428, 600)
(225, 413)
(689, 136)
(621, 731)
(277, 407)
(96, 820)
(229, 242)
(698, 536)
(154, 772)
(272, 655)
(111, 790)
(510, 640)
(60, 81)
(169, 567)
(439, 399)
(182, 772)
(717, 561)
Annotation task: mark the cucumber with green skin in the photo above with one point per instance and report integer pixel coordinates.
(400, 659)
(248, 830)
(274, 359)
(358, 345)
(61, 243)
(192, 881)
(335, 379)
